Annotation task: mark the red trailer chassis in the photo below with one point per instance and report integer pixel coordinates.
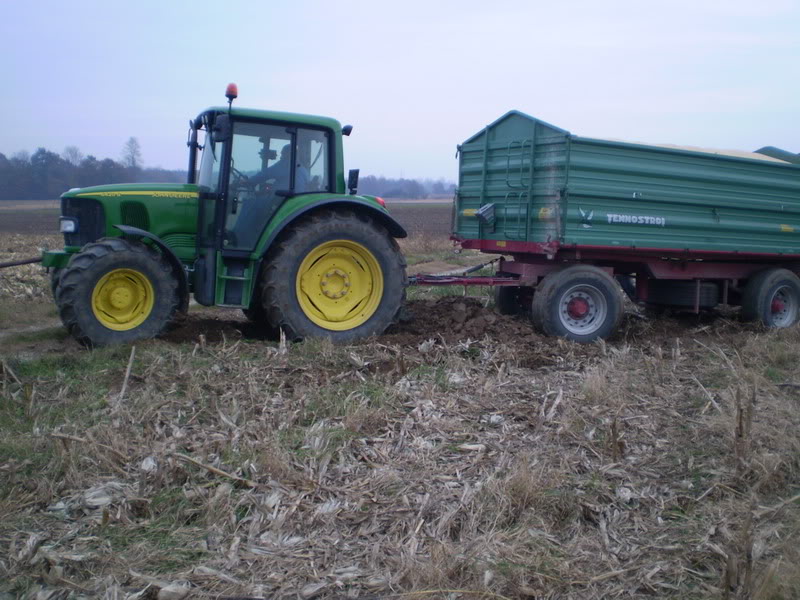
(532, 262)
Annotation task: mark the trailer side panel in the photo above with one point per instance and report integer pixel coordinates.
(636, 196)
(530, 187)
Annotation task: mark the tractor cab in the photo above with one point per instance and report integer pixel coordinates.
(252, 164)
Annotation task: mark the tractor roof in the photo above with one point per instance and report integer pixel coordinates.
(275, 115)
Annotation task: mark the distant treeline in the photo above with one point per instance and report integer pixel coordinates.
(404, 188)
(45, 175)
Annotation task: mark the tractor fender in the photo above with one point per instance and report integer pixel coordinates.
(174, 261)
(394, 228)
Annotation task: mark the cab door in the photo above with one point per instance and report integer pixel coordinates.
(239, 175)
(212, 173)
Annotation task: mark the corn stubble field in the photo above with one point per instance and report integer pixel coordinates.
(461, 455)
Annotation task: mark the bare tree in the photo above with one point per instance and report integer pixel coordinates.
(22, 156)
(72, 155)
(132, 154)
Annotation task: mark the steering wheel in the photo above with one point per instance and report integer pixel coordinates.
(241, 180)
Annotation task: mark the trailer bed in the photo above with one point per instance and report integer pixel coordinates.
(528, 187)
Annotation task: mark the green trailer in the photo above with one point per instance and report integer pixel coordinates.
(574, 217)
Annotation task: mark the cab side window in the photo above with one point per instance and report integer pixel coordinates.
(311, 166)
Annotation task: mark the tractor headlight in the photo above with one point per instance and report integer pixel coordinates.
(67, 225)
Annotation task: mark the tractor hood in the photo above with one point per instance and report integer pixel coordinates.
(166, 210)
(123, 190)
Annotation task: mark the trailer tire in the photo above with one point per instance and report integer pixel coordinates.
(773, 298)
(507, 299)
(580, 303)
(337, 274)
(116, 291)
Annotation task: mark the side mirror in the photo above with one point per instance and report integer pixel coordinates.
(347, 130)
(222, 130)
(352, 181)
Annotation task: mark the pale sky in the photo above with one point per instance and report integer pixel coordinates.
(414, 77)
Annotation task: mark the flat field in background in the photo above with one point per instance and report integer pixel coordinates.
(423, 217)
(419, 217)
(28, 217)
(461, 455)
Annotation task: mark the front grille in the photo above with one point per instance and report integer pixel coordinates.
(91, 220)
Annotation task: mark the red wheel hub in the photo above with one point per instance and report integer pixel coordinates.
(578, 308)
(777, 305)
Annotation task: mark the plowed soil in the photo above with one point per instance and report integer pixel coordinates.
(451, 318)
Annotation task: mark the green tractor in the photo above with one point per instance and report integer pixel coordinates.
(264, 223)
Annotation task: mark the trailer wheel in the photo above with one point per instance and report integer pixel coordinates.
(338, 275)
(580, 303)
(773, 298)
(507, 299)
(115, 291)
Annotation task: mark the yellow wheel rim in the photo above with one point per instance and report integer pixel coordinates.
(339, 285)
(122, 299)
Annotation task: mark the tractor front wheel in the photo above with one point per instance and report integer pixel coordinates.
(116, 291)
(337, 274)
(55, 276)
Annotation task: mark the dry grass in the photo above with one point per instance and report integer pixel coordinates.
(421, 248)
(631, 468)
(25, 298)
(435, 464)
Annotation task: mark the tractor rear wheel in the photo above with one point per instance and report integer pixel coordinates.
(773, 298)
(116, 291)
(580, 303)
(256, 313)
(337, 274)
